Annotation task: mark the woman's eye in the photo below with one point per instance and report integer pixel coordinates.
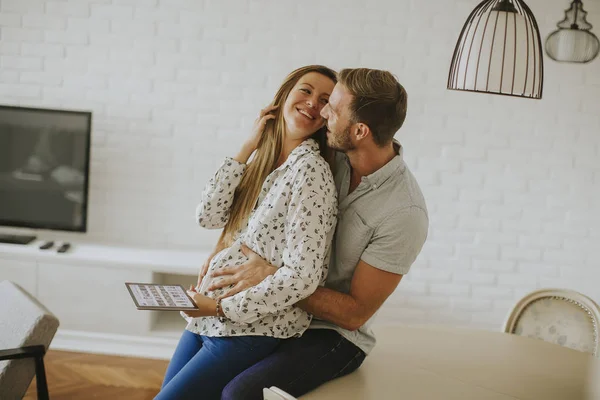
(324, 101)
(305, 91)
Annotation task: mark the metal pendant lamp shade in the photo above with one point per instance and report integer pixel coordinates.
(573, 41)
(499, 51)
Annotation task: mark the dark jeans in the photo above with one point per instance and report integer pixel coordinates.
(202, 365)
(298, 366)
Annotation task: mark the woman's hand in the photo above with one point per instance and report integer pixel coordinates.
(257, 131)
(259, 126)
(207, 307)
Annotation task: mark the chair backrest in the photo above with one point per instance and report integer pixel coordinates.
(564, 317)
(24, 321)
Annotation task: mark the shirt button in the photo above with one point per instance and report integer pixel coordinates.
(374, 186)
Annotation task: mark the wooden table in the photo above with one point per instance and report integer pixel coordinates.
(450, 363)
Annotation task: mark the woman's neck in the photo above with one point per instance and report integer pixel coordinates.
(286, 149)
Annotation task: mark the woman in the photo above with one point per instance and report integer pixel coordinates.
(283, 206)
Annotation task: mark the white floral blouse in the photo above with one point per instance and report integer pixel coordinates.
(291, 227)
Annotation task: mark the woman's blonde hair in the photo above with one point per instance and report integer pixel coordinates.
(268, 153)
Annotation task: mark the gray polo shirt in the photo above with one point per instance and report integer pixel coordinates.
(383, 222)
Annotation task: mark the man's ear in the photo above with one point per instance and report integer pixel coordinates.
(362, 131)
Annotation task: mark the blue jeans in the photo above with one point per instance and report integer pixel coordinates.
(201, 366)
(298, 366)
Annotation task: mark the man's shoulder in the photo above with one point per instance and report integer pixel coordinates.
(407, 193)
(400, 198)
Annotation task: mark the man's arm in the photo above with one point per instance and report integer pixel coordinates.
(370, 287)
(393, 248)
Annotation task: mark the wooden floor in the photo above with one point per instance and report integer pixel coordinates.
(89, 376)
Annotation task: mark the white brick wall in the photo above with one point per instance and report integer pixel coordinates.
(512, 184)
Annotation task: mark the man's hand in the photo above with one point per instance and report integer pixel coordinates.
(244, 276)
(204, 267)
(207, 307)
(203, 271)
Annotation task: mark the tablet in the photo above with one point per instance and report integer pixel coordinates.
(156, 296)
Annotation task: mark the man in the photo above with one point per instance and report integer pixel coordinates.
(382, 226)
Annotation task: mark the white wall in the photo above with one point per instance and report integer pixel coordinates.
(512, 184)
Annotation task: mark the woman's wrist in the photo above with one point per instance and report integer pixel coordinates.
(219, 309)
(244, 154)
(212, 307)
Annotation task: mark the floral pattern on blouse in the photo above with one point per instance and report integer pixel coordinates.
(291, 228)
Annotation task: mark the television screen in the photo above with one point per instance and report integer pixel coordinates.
(44, 164)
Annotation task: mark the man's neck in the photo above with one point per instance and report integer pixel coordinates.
(364, 162)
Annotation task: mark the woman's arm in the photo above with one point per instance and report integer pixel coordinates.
(217, 197)
(310, 225)
(213, 210)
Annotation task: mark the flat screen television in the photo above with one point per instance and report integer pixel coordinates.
(44, 168)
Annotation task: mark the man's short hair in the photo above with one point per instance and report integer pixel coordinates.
(379, 101)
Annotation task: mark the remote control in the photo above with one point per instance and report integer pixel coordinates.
(63, 248)
(47, 245)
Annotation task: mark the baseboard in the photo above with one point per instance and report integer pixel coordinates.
(114, 344)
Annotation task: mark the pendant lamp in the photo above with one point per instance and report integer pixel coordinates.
(573, 41)
(499, 51)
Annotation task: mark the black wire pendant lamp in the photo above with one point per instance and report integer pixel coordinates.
(499, 51)
(573, 41)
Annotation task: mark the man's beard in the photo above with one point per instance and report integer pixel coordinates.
(341, 142)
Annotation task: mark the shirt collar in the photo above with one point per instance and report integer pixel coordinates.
(396, 164)
(308, 146)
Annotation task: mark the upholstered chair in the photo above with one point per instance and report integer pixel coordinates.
(564, 317)
(26, 330)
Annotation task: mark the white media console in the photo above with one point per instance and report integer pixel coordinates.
(85, 289)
